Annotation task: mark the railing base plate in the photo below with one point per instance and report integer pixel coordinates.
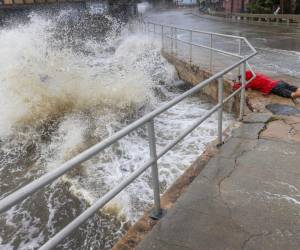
(157, 216)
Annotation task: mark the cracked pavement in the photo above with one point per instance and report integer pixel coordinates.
(247, 196)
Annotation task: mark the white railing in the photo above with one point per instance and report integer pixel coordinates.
(148, 120)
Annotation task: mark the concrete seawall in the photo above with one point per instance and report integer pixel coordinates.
(193, 75)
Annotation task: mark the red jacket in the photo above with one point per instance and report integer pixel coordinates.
(261, 83)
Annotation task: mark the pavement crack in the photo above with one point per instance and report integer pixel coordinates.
(227, 176)
(261, 131)
(252, 236)
(236, 158)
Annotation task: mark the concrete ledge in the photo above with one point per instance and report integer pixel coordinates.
(248, 200)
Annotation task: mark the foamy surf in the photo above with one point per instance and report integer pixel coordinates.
(57, 100)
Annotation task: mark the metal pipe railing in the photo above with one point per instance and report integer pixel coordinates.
(148, 119)
(242, 102)
(211, 49)
(220, 111)
(191, 46)
(155, 179)
(202, 46)
(197, 31)
(211, 54)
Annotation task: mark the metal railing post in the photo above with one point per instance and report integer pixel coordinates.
(154, 25)
(171, 31)
(191, 47)
(243, 91)
(162, 37)
(211, 53)
(175, 37)
(220, 111)
(239, 51)
(156, 213)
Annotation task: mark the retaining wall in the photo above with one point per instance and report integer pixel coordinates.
(193, 74)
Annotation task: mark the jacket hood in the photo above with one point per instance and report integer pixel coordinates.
(249, 75)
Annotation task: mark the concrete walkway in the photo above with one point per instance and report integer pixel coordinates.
(247, 197)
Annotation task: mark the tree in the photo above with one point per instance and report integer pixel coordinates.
(262, 6)
(297, 11)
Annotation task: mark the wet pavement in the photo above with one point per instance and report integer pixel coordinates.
(247, 197)
(278, 46)
(281, 37)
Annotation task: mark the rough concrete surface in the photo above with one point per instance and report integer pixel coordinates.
(285, 128)
(137, 232)
(247, 196)
(257, 102)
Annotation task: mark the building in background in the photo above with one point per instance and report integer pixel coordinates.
(211, 5)
(235, 5)
(289, 6)
(185, 2)
(283, 6)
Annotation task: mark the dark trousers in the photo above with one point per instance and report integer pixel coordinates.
(284, 89)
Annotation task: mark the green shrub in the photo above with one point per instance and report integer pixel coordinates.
(262, 6)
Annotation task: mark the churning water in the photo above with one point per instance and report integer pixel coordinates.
(65, 87)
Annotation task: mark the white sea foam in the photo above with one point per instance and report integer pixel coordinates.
(55, 103)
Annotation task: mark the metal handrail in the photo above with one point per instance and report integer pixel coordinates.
(197, 31)
(148, 119)
(173, 37)
(206, 33)
(207, 47)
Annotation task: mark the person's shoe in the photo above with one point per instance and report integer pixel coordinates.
(296, 100)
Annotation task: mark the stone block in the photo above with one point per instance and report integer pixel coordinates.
(248, 131)
(257, 117)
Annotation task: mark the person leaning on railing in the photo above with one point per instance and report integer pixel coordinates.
(267, 85)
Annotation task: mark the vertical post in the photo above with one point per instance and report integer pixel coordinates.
(239, 51)
(220, 111)
(154, 28)
(156, 213)
(211, 54)
(175, 37)
(171, 31)
(191, 47)
(162, 37)
(240, 46)
(243, 91)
